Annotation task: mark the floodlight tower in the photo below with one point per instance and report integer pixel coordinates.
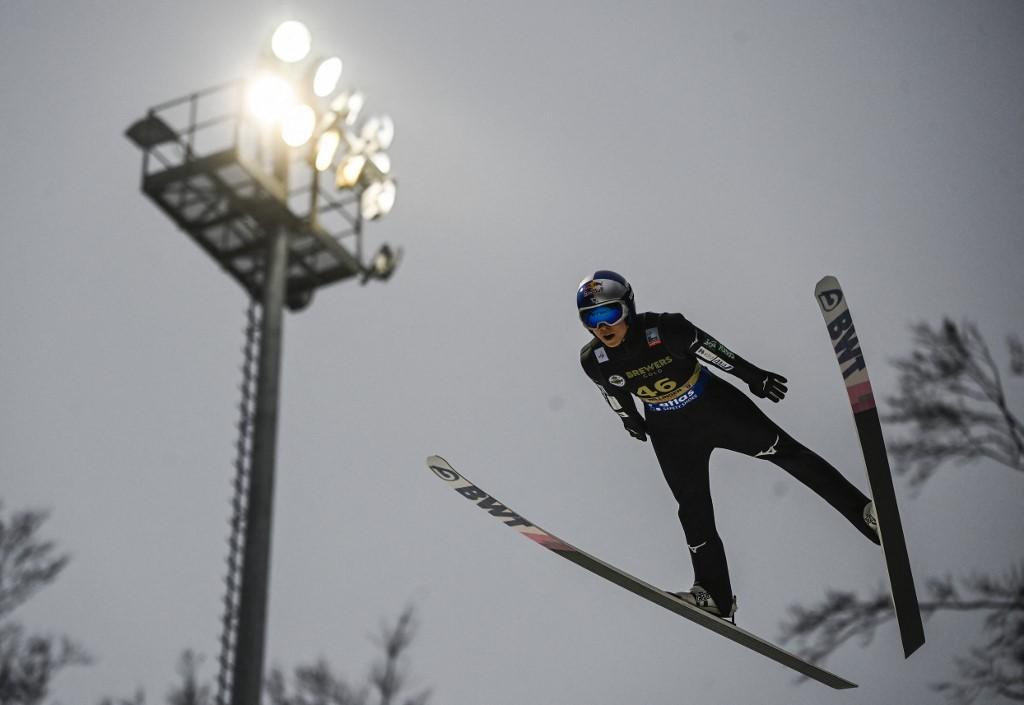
(238, 167)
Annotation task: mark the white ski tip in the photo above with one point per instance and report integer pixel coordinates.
(826, 283)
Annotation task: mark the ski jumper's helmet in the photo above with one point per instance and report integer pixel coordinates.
(604, 297)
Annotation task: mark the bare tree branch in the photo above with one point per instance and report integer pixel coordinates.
(995, 667)
(27, 564)
(28, 664)
(318, 685)
(191, 691)
(388, 675)
(952, 405)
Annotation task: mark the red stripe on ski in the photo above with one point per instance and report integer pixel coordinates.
(549, 541)
(861, 397)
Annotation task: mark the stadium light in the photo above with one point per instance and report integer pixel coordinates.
(297, 125)
(326, 148)
(291, 41)
(326, 77)
(268, 97)
(378, 199)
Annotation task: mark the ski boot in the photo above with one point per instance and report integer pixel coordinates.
(870, 518)
(699, 597)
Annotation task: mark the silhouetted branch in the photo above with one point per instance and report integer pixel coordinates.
(27, 564)
(318, 685)
(28, 664)
(953, 403)
(388, 675)
(313, 685)
(191, 691)
(995, 667)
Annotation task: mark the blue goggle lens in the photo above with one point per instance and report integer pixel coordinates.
(609, 314)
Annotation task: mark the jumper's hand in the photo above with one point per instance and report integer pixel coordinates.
(771, 386)
(636, 428)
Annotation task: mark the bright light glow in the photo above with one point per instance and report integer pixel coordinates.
(297, 125)
(327, 121)
(268, 97)
(356, 145)
(378, 199)
(340, 103)
(291, 41)
(379, 130)
(348, 105)
(354, 106)
(326, 147)
(325, 80)
(382, 162)
(349, 171)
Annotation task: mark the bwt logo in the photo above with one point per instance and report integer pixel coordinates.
(482, 499)
(844, 340)
(446, 474)
(830, 299)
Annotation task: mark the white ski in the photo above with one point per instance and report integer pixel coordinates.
(503, 513)
(858, 387)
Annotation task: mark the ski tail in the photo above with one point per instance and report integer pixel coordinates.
(846, 346)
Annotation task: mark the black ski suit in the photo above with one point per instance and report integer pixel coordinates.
(689, 412)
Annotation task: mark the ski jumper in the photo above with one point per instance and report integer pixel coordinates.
(689, 412)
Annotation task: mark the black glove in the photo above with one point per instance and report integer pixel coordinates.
(769, 386)
(637, 428)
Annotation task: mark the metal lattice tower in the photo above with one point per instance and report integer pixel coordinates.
(249, 193)
(210, 168)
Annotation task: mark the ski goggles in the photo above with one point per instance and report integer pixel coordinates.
(606, 314)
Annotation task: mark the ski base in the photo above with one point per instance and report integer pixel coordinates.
(492, 506)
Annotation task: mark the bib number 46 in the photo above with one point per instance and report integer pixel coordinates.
(662, 386)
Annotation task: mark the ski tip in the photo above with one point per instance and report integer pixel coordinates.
(825, 283)
(440, 467)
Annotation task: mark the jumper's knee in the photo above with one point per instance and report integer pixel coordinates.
(783, 448)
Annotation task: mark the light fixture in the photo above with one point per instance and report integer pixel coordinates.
(347, 106)
(297, 125)
(380, 131)
(326, 148)
(353, 107)
(325, 80)
(291, 41)
(340, 103)
(268, 97)
(349, 171)
(384, 263)
(378, 199)
(381, 162)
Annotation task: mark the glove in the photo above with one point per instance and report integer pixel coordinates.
(769, 386)
(637, 428)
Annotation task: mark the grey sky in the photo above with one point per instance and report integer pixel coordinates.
(723, 156)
